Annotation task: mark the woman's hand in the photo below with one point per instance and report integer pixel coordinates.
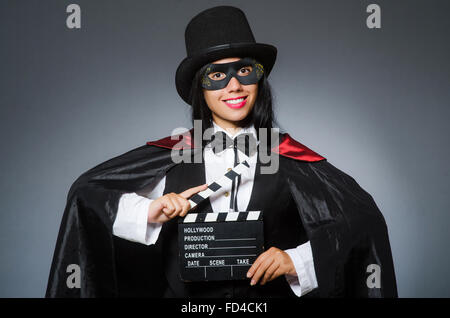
(170, 205)
(269, 265)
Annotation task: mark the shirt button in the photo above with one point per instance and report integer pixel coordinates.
(227, 194)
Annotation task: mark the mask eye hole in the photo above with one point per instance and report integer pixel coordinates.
(246, 70)
(217, 76)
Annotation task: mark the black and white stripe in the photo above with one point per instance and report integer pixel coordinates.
(222, 217)
(218, 184)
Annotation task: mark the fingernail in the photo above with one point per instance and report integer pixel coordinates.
(252, 282)
(249, 274)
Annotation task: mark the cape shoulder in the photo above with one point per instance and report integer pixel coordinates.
(288, 146)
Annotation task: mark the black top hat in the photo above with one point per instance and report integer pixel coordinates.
(214, 34)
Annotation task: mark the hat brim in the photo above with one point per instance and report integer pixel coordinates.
(264, 53)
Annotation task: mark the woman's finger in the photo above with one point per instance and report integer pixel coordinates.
(270, 272)
(185, 206)
(261, 270)
(169, 206)
(177, 205)
(257, 263)
(190, 192)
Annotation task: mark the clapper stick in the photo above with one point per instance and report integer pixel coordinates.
(218, 184)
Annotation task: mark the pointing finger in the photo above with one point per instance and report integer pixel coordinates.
(190, 192)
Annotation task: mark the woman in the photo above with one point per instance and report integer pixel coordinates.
(321, 230)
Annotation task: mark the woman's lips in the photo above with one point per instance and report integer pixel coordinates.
(236, 105)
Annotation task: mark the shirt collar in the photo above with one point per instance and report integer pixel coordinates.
(251, 129)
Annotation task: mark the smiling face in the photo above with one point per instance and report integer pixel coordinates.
(231, 104)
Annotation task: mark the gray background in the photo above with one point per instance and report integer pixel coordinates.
(375, 103)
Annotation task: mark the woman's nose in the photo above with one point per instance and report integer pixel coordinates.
(234, 84)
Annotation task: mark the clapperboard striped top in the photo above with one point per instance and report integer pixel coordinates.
(218, 184)
(222, 217)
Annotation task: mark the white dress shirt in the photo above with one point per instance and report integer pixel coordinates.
(131, 220)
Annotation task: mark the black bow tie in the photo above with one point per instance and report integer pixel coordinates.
(245, 143)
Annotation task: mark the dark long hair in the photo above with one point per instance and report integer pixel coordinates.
(261, 115)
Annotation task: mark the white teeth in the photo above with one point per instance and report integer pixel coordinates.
(235, 101)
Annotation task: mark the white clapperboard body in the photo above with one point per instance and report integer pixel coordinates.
(219, 246)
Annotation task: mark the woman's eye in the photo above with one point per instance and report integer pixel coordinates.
(245, 70)
(216, 76)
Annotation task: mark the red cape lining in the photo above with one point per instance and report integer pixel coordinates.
(288, 147)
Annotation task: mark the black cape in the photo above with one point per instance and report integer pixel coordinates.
(346, 229)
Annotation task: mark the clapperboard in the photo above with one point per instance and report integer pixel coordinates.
(219, 246)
